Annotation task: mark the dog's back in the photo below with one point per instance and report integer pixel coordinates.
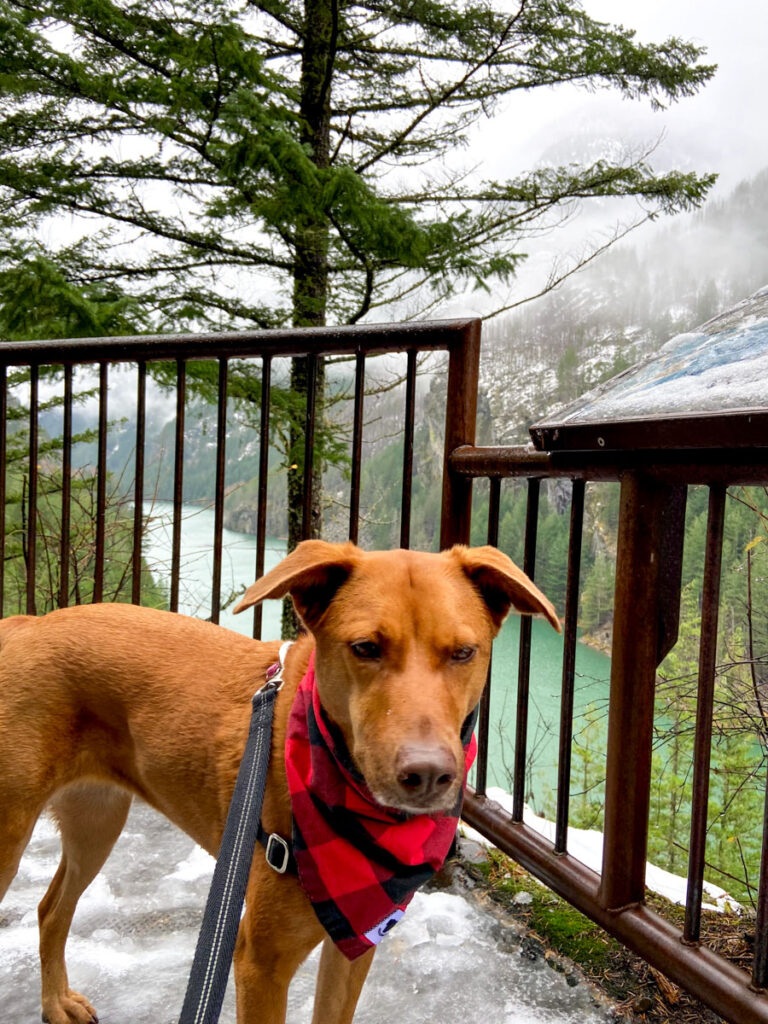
(121, 694)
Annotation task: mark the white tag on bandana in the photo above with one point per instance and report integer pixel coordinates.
(377, 933)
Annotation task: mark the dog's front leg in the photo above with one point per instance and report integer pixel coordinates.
(262, 975)
(339, 983)
(278, 931)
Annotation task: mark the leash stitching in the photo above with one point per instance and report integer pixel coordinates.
(228, 885)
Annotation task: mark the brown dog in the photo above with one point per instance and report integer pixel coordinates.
(101, 702)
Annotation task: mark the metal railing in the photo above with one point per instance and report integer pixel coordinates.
(653, 489)
(646, 610)
(459, 339)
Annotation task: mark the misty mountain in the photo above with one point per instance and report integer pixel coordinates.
(623, 308)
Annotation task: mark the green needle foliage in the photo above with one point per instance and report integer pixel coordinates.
(240, 163)
(200, 164)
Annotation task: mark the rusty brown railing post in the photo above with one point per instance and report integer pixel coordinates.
(649, 528)
(460, 417)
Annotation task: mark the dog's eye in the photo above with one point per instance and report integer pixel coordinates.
(366, 650)
(465, 653)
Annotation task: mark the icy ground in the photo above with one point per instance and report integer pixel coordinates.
(133, 936)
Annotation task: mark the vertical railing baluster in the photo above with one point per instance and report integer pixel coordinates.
(357, 448)
(760, 961)
(569, 667)
(484, 718)
(524, 661)
(66, 489)
(31, 552)
(261, 514)
(221, 469)
(138, 482)
(3, 472)
(309, 446)
(704, 712)
(178, 482)
(101, 488)
(407, 490)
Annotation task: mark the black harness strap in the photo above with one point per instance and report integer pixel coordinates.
(221, 918)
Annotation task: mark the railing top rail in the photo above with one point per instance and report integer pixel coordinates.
(703, 466)
(372, 339)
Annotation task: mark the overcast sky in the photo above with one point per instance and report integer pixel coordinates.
(721, 129)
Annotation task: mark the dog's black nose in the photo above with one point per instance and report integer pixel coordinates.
(425, 772)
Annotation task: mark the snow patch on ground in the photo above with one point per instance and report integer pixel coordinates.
(134, 934)
(586, 845)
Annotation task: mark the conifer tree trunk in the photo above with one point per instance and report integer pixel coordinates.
(310, 276)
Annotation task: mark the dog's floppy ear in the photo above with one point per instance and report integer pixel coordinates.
(311, 574)
(502, 585)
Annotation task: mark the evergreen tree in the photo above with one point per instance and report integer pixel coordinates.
(597, 593)
(238, 164)
(39, 299)
(258, 138)
(736, 801)
(552, 557)
(588, 770)
(673, 750)
(57, 584)
(570, 382)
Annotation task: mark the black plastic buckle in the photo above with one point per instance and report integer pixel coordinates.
(278, 853)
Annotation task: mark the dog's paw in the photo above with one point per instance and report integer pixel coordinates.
(70, 1008)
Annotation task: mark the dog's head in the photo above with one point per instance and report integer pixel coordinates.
(403, 640)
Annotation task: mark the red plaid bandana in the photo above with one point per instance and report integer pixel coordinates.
(358, 862)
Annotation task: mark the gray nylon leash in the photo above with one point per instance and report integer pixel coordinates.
(221, 918)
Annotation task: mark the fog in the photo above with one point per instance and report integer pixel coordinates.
(719, 130)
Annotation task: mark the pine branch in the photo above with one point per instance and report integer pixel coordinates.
(441, 99)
